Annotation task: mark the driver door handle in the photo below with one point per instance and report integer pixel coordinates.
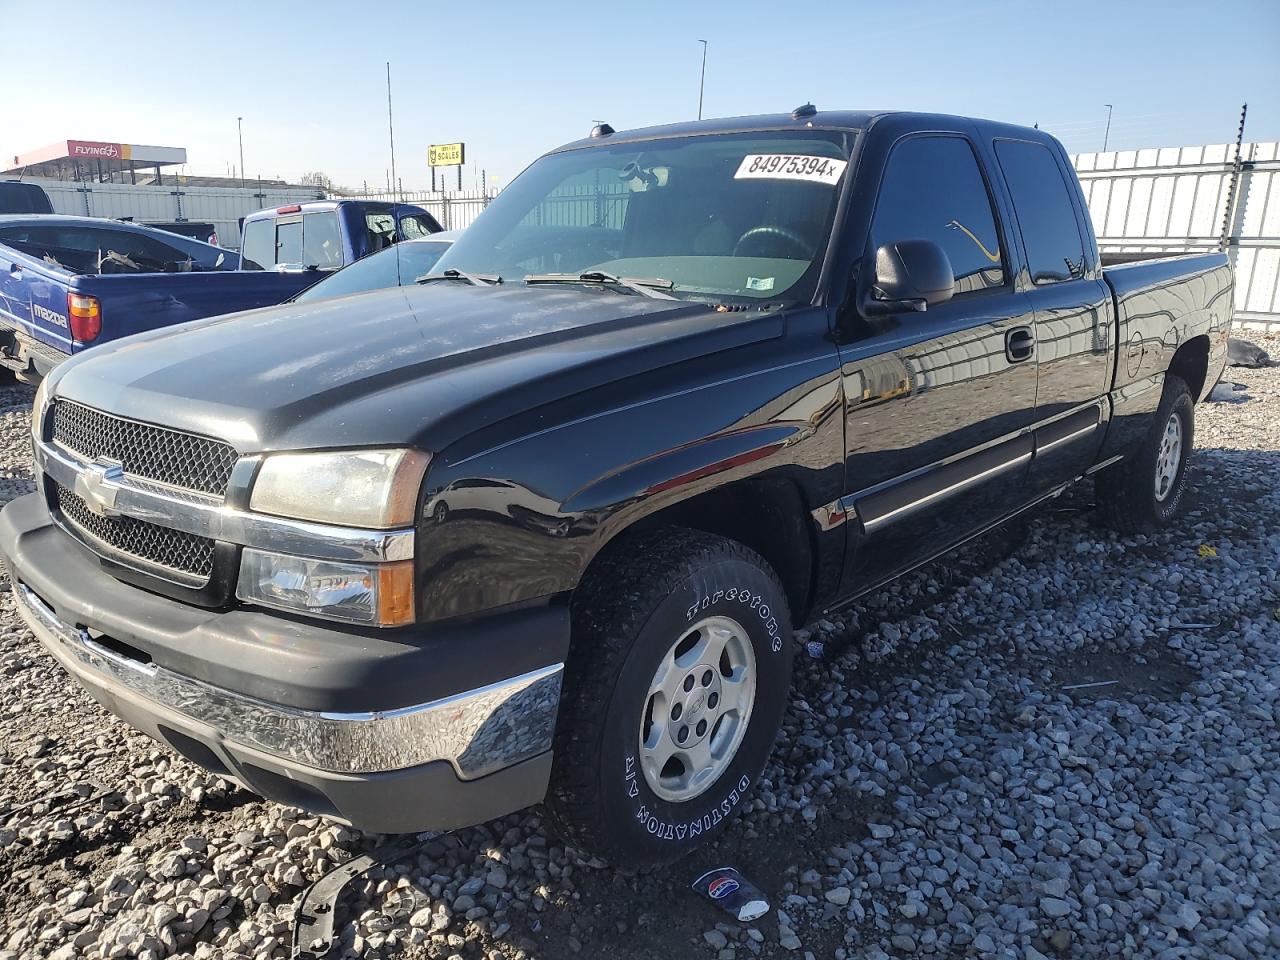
(1019, 344)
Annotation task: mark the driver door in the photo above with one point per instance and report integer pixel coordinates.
(937, 404)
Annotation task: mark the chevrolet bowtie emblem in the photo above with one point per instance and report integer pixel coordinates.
(96, 486)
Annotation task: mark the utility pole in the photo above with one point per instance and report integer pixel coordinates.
(703, 82)
(391, 129)
(1107, 134)
(240, 134)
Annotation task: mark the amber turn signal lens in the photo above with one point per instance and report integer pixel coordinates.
(395, 593)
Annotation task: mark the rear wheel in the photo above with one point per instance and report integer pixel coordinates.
(1145, 490)
(674, 694)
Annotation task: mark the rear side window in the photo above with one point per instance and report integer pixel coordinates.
(382, 230)
(321, 242)
(289, 242)
(415, 225)
(1042, 204)
(259, 250)
(933, 190)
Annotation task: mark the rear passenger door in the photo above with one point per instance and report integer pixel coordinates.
(1072, 305)
(937, 402)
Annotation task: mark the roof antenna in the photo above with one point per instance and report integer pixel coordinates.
(601, 129)
(804, 110)
(395, 182)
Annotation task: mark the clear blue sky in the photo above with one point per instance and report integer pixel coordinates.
(515, 78)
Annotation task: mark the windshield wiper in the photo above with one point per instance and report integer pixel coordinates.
(475, 279)
(645, 286)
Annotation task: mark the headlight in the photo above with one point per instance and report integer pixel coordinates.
(38, 408)
(377, 594)
(377, 489)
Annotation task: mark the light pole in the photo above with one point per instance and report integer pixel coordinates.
(703, 82)
(240, 134)
(1107, 134)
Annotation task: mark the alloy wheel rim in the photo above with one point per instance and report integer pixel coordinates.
(697, 709)
(1169, 458)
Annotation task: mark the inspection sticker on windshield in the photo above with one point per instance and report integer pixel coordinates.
(789, 166)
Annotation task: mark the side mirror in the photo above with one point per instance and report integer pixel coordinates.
(910, 275)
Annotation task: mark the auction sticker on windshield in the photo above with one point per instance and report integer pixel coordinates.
(789, 166)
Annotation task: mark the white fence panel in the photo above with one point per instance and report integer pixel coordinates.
(1179, 200)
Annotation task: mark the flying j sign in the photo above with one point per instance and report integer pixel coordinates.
(446, 154)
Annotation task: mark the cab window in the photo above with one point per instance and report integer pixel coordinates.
(321, 240)
(259, 249)
(933, 190)
(1046, 216)
(289, 241)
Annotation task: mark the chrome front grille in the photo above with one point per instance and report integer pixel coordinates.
(144, 450)
(183, 556)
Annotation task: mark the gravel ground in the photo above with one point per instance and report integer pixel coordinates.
(1062, 744)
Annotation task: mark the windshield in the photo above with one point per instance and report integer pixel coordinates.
(742, 216)
(399, 266)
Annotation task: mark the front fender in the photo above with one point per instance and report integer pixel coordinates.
(522, 521)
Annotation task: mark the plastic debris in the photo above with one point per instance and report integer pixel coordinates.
(732, 892)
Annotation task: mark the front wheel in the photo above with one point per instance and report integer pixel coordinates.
(674, 694)
(1145, 490)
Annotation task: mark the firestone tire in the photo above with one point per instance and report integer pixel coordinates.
(1129, 494)
(653, 596)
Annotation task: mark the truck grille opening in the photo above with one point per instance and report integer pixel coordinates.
(142, 450)
(188, 555)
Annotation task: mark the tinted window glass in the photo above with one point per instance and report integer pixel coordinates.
(1042, 204)
(259, 250)
(322, 246)
(289, 242)
(387, 268)
(933, 190)
(742, 216)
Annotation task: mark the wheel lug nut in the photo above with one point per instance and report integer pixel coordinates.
(706, 679)
(688, 683)
(683, 735)
(713, 700)
(702, 727)
(676, 711)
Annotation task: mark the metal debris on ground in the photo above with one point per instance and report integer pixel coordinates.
(64, 801)
(313, 922)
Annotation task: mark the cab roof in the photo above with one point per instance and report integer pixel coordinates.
(797, 120)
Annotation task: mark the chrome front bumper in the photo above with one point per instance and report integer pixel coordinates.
(478, 731)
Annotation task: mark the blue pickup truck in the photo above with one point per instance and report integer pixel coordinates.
(328, 234)
(69, 283)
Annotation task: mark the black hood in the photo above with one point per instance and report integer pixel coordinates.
(382, 368)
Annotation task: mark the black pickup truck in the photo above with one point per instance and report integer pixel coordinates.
(540, 526)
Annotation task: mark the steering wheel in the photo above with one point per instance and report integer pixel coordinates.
(800, 245)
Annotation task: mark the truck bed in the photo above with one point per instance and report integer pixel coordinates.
(1160, 305)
